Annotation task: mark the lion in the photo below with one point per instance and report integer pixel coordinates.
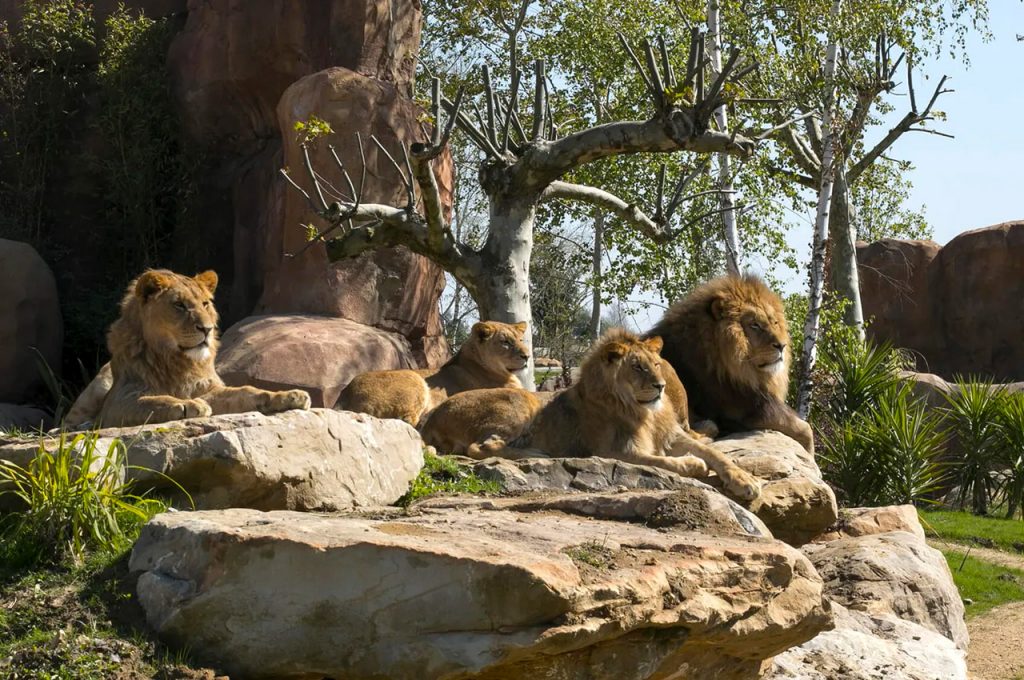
(489, 357)
(626, 405)
(464, 421)
(162, 348)
(729, 343)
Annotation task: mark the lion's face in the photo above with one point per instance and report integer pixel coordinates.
(177, 313)
(757, 333)
(500, 344)
(633, 370)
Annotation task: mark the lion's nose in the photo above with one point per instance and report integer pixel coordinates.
(779, 345)
(524, 356)
(205, 330)
(659, 386)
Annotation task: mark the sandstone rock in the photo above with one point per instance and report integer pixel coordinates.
(24, 418)
(297, 460)
(855, 522)
(573, 474)
(316, 353)
(950, 304)
(871, 647)
(892, 574)
(795, 502)
(29, 320)
(470, 592)
(392, 288)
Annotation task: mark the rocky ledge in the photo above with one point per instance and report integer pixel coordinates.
(502, 588)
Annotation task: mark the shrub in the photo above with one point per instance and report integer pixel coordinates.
(973, 415)
(74, 500)
(443, 475)
(1010, 453)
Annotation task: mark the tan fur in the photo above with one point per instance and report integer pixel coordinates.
(625, 406)
(90, 401)
(488, 358)
(465, 420)
(162, 351)
(729, 342)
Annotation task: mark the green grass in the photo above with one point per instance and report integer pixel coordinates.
(987, 585)
(442, 475)
(969, 529)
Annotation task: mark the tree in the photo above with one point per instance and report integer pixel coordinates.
(524, 161)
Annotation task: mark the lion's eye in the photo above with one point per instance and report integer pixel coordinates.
(755, 326)
(507, 344)
(181, 305)
(638, 368)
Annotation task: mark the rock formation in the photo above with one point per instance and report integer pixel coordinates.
(951, 305)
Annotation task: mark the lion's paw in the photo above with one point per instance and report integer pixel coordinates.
(742, 484)
(692, 466)
(290, 399)
(196, 408)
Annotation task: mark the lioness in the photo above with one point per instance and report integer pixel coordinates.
(489, 357)
(162, 350)
(625, 405)
(729, 342)
(462, 422)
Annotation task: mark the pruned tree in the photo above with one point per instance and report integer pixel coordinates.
(524, 159)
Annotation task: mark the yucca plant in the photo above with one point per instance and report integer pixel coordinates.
(73, 499)
(1010, 455)
(858, 373)
(973, 417)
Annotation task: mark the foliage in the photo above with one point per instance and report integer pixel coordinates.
(133, 175)
(879, 197)
(987, 585)
(443, 475)
(312, 129)
(973, 414)
(560, 324)
(1010, 455)
(967, 528)
(75, 500)
(878, 444)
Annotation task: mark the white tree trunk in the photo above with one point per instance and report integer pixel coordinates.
(843, 232)
(505, 290)
(595, 307)
(812, 326)
(726, 199)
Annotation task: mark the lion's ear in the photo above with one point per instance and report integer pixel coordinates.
(151, 283)
(208, 280)
(654, 344)
(482, 330)
(615, 351)
(717, 308)
(520, 329)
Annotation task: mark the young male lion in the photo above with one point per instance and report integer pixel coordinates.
(729, 343)
(162, 350)
(625, 405)
(489, 357)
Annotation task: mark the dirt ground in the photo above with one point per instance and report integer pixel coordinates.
(997, 643)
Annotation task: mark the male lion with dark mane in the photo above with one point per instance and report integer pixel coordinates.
(729, 343)
(629, 405)
(162, 350)
(489, 357)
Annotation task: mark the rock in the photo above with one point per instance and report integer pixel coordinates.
(470, 592)
(298, 460)
(391, 288)
(950, 304)
(893, 574)
(316, 353)
(855, 522)
(693, 506)
(871, 647)
(795, 501)
(929, 387)
(573, 474)
(30, 322)
(24, 418)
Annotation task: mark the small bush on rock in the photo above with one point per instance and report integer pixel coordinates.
(442, 475)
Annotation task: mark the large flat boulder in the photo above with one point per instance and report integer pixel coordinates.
(855, 522)
(297, 460)
(795, 502)
(319, 354)
(871, 647)
(471, 591)
(895, 574)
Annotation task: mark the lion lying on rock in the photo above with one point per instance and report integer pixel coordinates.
(629, 405)
(729, 342)
(162, 350)
(489, 357)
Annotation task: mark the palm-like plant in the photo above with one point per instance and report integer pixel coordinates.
(1010, 454)
(973, 415)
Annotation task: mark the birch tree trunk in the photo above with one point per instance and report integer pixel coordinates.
(812, 325)
(505, 291)
(726, 199)
(843, 233)
(595, 308)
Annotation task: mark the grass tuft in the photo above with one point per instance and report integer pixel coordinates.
(441, 475)
(985, 584)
